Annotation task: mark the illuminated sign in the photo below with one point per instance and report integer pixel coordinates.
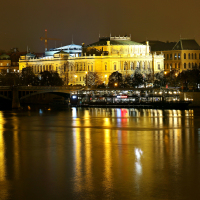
(122, 97)
(74, 97)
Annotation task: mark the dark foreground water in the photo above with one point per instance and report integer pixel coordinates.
(99, 154)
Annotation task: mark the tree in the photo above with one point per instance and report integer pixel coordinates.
(94, 79)
(50, 79)
(115, 80)
(137, 79)
(9, 79)
(27, 77)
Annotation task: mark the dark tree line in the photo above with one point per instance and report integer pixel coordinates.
(27, 77)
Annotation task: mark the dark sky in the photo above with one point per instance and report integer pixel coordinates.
(23, 22)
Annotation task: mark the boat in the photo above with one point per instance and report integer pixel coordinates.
(161, 98)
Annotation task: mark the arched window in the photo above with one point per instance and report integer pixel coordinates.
(179, 56)
(105, 67)
(188, 55)
(184, 55)
(132, 65)
(195, 56)
(125, 66)
(184, 65)
(115, 66)
(175, 56)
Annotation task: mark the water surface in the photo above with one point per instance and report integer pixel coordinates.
(99, 154)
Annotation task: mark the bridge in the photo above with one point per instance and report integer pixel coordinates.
(15, 94)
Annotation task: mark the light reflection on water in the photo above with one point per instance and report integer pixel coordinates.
(99, 154)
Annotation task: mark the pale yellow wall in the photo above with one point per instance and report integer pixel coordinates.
(175, 63)
(78, 66)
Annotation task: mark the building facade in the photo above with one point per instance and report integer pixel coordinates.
(104, 57)
(183, 55)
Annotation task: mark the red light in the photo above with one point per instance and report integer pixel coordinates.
(45, 29)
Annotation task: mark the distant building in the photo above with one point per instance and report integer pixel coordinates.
(71, 49)
(108, 55)
(178, 56)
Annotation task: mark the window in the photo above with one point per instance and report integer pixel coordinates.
(105, 67)
(158, 66)
(170, 56)
(184, 65)
(179, 56)
(175, 56)
(115, 67)
(192, 55)
(189, 56)
(132, 66)
(184, 55)
(179, 65)
(92, 68)
(125, 66)
(80, 78)
(88, 68)
(189, 65)
(167, 56)
(175, 65)
(195, 56)
(167, 66)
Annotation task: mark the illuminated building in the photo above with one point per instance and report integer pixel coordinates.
(71, 49)
(179, 56)
(106, 56)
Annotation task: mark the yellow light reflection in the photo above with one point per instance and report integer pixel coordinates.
(77, 159)
(2, 150)
(107, 160)
(16, 146)
(88, 161)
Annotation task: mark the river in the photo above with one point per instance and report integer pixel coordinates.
(96, 153)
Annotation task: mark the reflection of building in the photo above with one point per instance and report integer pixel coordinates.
(183, 55)
(106, 56)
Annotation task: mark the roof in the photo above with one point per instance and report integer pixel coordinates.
(4, 56)
(187, 44)
(103, 42)
(157, 45)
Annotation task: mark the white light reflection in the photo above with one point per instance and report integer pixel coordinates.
(74, 112)
(138, 166)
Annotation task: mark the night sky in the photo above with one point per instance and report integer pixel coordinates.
(23, 22)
